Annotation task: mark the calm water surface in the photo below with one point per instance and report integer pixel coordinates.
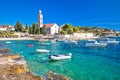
(86, 64)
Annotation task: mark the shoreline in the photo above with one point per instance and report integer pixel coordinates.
(28, 38)
(20, 38)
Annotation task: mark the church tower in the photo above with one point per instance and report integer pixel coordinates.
(40, 19)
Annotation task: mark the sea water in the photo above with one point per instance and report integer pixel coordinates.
(87, 63)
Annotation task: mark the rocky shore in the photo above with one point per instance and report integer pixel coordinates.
(54, 76)
(14, 67)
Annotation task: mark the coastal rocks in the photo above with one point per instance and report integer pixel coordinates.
(26, 76)
(8, 69)
(4, 50)
(13, 56)
(13, 67)
(54, 76)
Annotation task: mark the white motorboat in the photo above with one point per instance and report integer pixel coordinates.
(53, 41)
(70, 42)
(42, 50)
(60, 56)
(112, 41)
(44, 43)
(8, 42)
(91, 40)
(95, 44)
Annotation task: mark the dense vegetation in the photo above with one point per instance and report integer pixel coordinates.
(65, 29)
(69, 29)
(5, 34)
(30, 29)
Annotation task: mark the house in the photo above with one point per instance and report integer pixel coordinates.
(75, 36)
(51, 28)
(7, 28)
(11, 28)
(2, 28)
(83, 35)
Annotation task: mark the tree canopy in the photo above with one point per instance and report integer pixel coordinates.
(65, 29)
(18, 27)
(43, 30)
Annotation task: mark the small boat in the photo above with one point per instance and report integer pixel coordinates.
(96, 44)
(70, 42)
(60, 40)
(91, 40)
(30, 45)
(112, 41)
(42, 50)
(60, 56)
(8, 42)
(45, 44)
(53, 41)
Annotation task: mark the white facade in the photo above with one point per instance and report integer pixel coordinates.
(83, 35)
(8, 28)
(3, 29)
(52, 28)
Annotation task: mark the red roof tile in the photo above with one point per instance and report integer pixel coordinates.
(2, 27)
(9, 26)
(49, 25)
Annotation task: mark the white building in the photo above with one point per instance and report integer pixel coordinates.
(76, 36)
(7, 28)
(3, 28)
(11, 28)
(51, 28)
(83, 35)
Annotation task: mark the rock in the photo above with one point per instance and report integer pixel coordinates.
(13, 56)
(4, 50)
(54, 76)
(12, 67)
(23, 76)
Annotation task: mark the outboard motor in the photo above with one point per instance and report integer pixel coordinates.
(49, 56)
(70, 54)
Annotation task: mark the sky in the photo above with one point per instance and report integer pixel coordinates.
(101, 13)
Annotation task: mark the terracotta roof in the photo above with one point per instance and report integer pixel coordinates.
(49, 25)
(2, 27)
(9, 26)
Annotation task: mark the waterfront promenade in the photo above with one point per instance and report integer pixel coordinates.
(20, 38)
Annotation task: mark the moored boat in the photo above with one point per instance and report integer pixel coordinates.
(60, 56)
(8, 42)
(96, 44)
(70, 42)
(30, 45)
(112, 41)
(42, 50)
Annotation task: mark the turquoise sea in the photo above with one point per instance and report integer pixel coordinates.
(86, 64)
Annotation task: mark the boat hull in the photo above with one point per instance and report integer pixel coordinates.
(60, 57)
(96, 45)
(42, 50)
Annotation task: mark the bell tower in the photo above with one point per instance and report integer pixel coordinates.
(40, 19)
